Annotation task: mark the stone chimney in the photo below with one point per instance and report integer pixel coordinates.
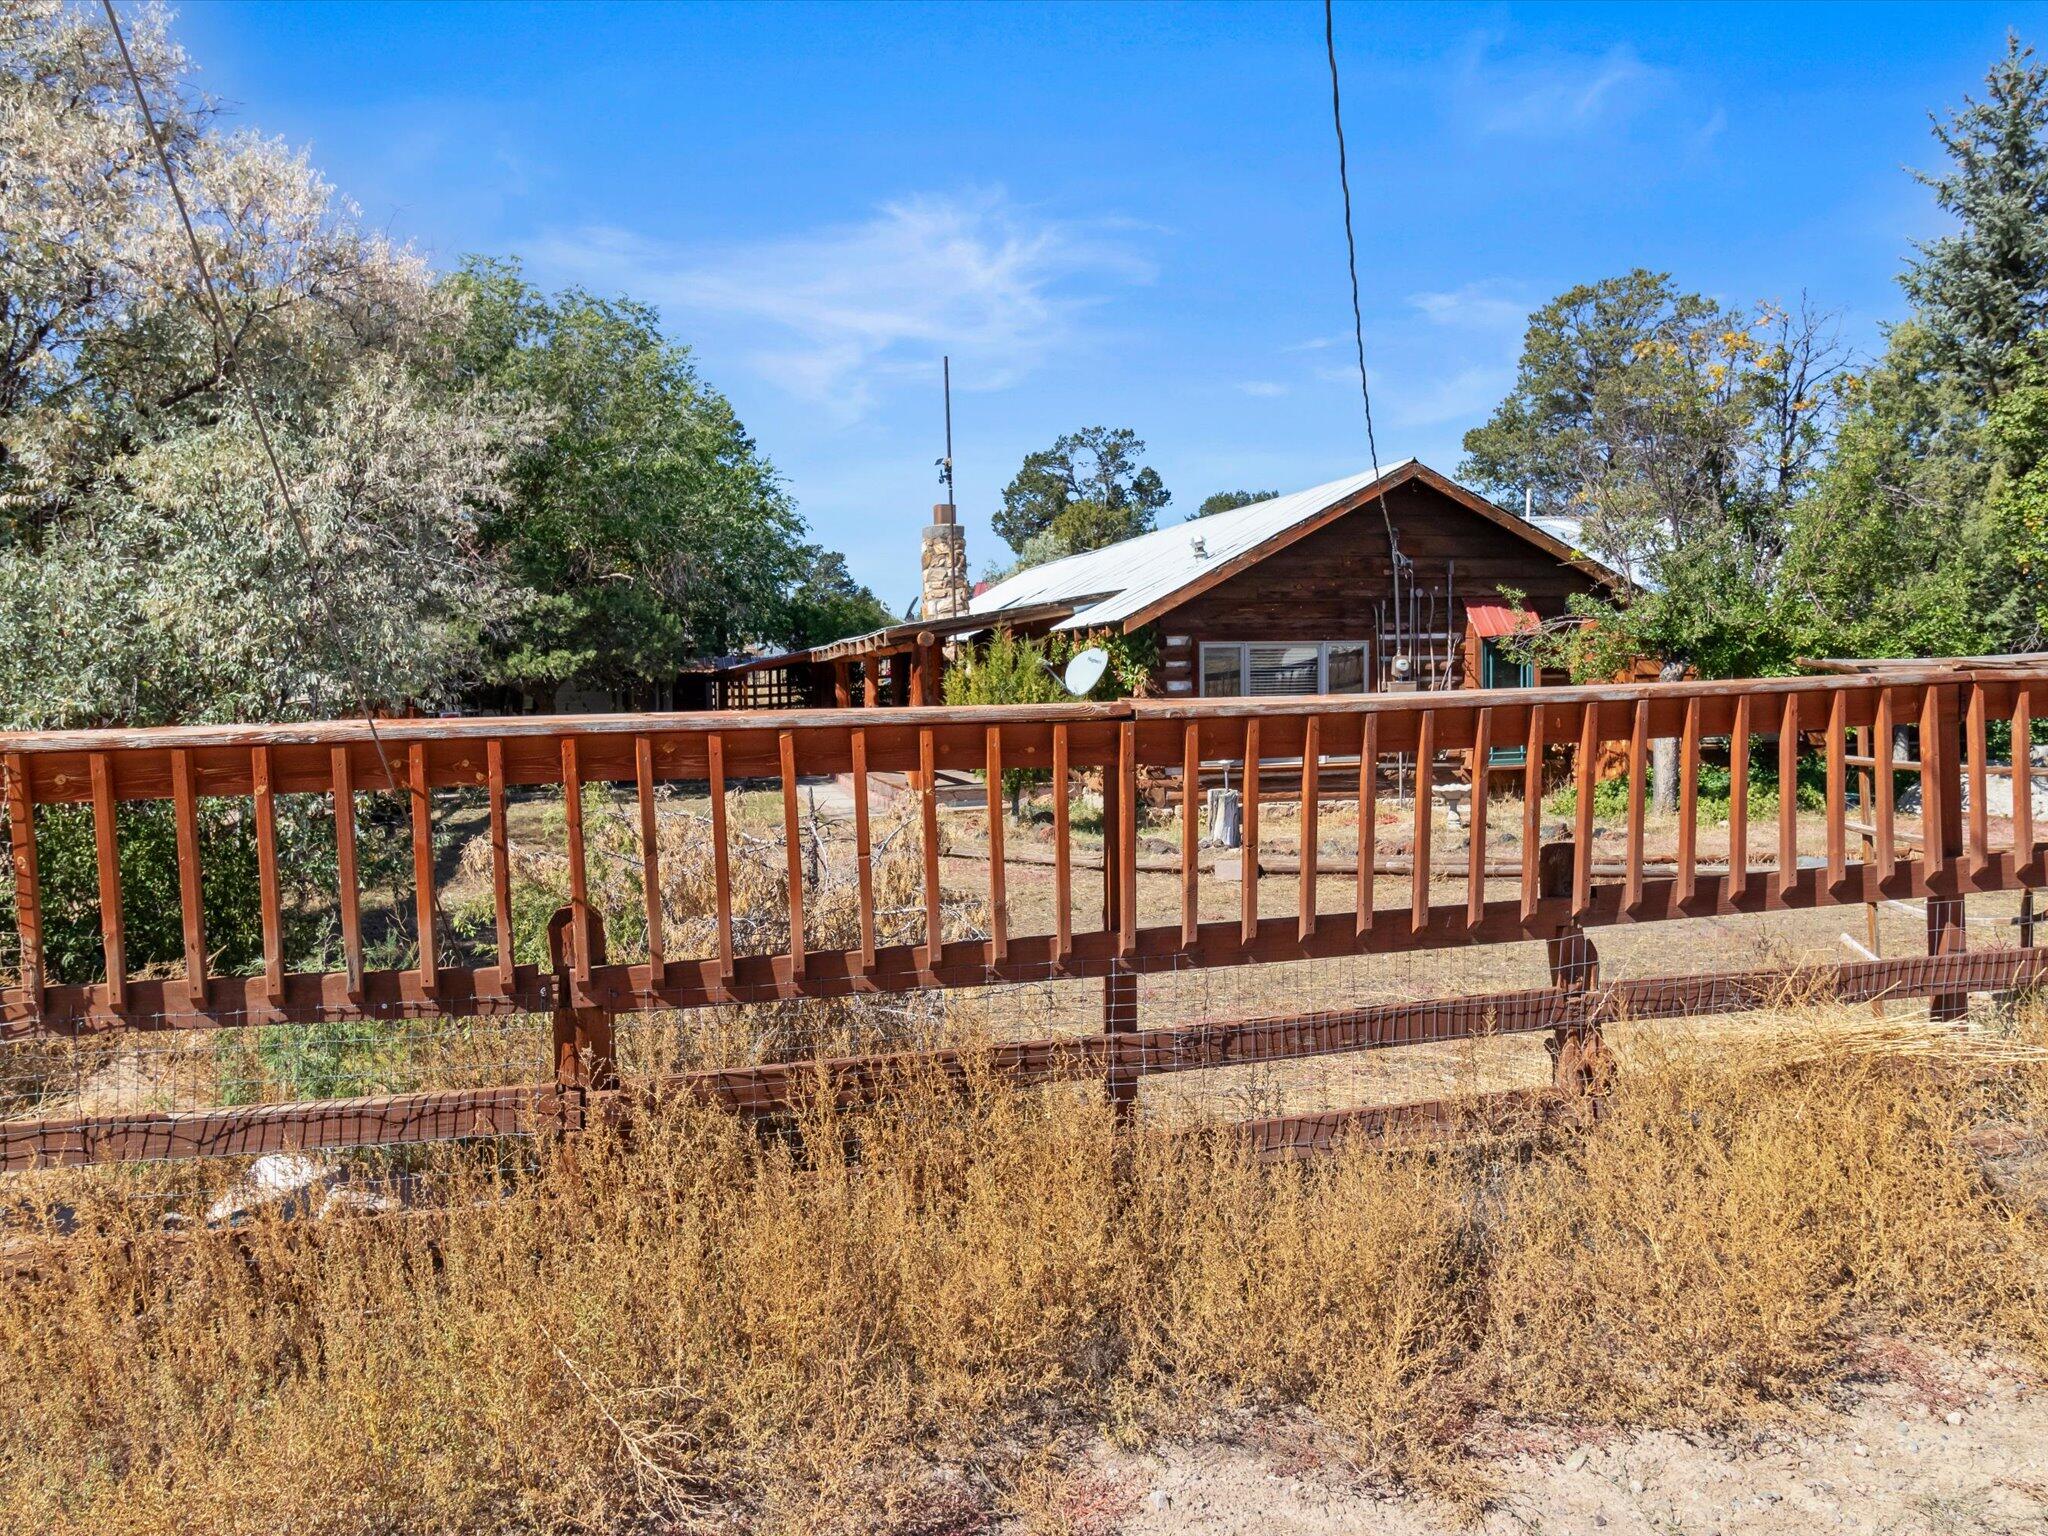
(944, 563)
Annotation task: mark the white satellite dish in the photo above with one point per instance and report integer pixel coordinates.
(1085, 671)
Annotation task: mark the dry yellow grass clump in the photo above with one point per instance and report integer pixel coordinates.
(700, 1326)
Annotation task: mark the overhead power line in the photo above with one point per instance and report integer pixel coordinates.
(1397, 560)
(216, 315)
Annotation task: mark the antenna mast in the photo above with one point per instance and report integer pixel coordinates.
(946, 464)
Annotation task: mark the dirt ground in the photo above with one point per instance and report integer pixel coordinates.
(1927, 1444)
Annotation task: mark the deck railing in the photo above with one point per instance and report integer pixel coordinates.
(1119, 752)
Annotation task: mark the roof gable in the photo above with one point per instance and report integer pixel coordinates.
(1132, 582)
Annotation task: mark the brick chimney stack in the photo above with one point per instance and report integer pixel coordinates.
(944, 566)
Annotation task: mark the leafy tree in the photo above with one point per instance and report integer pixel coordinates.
(644, 524)
(1924, 536)
(1230, 501)
(1680, 434)
(826, 603)
(1981, 294)
(1085, 491)
(150, 568)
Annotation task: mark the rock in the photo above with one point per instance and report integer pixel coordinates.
(1576, 1460)
(286, 1184)
(1859, 1449)
(1955, 1416)
(1158, 1499)
(1635, 1485)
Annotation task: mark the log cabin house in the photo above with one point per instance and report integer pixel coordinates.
(1295, 595)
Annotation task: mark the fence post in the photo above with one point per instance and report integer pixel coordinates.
(585, 1058)
(1120, 986)
(1578, 1056)
(1941, 795)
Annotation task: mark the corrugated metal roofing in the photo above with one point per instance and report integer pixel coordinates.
(1123, 578)
(1490, 621)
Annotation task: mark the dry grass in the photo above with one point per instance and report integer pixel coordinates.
(702, 1328)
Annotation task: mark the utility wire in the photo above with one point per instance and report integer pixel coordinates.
(217, 314)
(1395, 557)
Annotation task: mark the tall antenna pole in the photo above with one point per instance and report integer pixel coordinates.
(946, 464)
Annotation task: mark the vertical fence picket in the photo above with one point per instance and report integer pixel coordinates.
(2022, 777)
(793, 852)
(721, 851)
(1368, 824)
(1062, 848)
(1425, 826)
(501, 863)
(270, 906)
(1190, 835)
(650, 856)
(1248, 905)
(423, 862)
(1475, 864)
(1788, 794)
(28, 889)
(106, 846)
(1689, 802)
(1532, 813)
(1838, 786)
(1127, 838)
(1587, 771)
(191, 890)
(1884, 789)
(928, 810)
(1638, 789)
(998, 895)
(1738, 801)
(1311, 796)
(1980, 777)
(863, 852)
(579, 871)
(1933, 833)
(348, 890)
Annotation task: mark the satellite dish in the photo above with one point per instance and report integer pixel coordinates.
(1085, 671)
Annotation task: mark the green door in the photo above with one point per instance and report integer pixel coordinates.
(1499, 670)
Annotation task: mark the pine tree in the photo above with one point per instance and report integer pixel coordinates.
(1982, 292)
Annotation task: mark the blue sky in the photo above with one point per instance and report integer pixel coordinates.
(1120, 215)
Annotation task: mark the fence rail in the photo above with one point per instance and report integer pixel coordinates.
(1948, 711)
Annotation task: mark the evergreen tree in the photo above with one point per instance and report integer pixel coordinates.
(1981, 294)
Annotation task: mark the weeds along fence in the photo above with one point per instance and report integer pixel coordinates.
(1901, 765)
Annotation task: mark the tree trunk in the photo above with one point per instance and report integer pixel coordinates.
(1664, 754)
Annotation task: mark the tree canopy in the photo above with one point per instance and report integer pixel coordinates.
(1085, 491)
(644, 524)
(1230, 501)
(478, 483)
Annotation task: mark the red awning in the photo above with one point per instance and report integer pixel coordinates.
(1490, 621)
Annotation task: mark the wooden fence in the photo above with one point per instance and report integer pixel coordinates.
(1948, 710)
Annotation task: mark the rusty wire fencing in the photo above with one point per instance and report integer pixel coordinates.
(238, 940)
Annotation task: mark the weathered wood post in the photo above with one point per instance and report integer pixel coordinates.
(1941, 826)
(585, 1058)
(1578, 1056)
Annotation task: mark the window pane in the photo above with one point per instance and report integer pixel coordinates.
(1221, 674)
(1347, 666)
(1283, 669)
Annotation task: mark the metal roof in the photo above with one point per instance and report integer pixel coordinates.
(1108, 586)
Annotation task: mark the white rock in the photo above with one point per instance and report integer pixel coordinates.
(285, 1182)
(1635, 1485)
(1955, 1416)
(1576, 1460)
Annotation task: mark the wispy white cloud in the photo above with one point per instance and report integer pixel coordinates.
(1465, 395)
(1552, 92)
(834, 314)
(1482, 306)
(1263, 389)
